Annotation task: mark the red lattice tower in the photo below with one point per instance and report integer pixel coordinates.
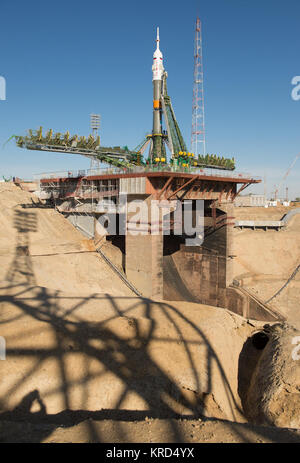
(198, 130)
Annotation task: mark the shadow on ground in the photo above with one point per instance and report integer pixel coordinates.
(128, 358)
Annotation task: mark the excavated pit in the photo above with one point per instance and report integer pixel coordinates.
(80, 346)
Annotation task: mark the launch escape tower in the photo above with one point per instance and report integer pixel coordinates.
(157, 141)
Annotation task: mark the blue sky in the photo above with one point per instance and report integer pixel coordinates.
(63, 60)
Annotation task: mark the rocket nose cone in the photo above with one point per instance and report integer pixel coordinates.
(157, 39)
(157, 54)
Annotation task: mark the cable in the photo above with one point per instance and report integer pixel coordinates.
(285, 284)
(120, 274)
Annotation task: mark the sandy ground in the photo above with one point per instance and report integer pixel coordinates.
(101, 351)
(87, 361)
(143, 431)
(261, 213)
(264, 260)
(122, 369)
(59, 257)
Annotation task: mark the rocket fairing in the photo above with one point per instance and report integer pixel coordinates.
(157, 76)
(157, 67)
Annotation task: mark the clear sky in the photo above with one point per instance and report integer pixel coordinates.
(63, 60)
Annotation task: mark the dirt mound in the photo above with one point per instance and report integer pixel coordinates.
(273, 395)
(39, 246)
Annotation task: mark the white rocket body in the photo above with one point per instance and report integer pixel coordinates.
(157, 67)
(157, 77)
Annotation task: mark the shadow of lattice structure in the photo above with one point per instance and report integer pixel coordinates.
(95, 358)
(21, 269)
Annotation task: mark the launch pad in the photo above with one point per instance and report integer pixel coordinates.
(168, 173)
(167, 184)
(85, 198)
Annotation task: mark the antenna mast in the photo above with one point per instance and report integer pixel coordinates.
(198, 130)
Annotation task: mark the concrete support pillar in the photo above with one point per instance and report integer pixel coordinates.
(229, 209)
(144, 264)
(144, 254)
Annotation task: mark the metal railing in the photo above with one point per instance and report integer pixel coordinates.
(60, 174)
(140, 169)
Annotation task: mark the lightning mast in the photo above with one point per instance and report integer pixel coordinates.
(95, 126)
(198, 129)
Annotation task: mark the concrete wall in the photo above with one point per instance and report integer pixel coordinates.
(197, 276)
(135, 185)
(204, 274)
(85, 223)
(250, 200)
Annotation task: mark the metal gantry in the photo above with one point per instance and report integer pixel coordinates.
(157, 141)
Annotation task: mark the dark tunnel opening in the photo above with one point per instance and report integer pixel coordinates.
(260, 340)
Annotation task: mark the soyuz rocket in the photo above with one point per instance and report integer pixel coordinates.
(157, 79)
